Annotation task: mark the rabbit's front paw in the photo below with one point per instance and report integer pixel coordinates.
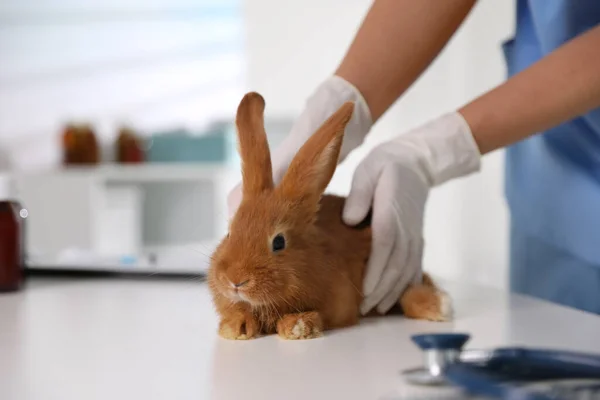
(306, 325)
(240, 326)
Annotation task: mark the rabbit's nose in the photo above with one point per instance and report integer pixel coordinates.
(237, 285)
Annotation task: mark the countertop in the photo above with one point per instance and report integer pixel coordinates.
(109, 338)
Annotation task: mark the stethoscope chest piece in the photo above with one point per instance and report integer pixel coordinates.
(439, 350)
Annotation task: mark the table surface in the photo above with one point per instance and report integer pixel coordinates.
(107, 338)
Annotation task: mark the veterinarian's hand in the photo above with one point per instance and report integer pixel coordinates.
(326, 99)
(394, 180)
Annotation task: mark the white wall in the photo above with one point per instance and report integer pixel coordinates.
(292, 46)
(155, 64)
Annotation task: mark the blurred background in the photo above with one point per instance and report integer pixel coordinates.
(115, 123)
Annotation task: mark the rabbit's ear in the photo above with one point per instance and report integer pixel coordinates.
(313, 166)
(257, 174)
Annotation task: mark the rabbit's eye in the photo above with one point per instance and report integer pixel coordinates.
(278, 243)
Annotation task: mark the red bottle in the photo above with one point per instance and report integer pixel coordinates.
(12, 239)
(129, 147)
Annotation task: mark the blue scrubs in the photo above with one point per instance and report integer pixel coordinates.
(553, 179)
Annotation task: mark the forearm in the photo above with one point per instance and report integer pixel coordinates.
(396, 42)
(561, 86)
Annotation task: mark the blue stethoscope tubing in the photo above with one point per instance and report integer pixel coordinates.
(547, 364)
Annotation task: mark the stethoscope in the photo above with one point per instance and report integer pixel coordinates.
(505, 373)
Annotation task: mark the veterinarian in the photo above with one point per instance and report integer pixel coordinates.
(547, 114)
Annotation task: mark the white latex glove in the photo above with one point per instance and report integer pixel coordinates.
(325, 100)
(394, 180)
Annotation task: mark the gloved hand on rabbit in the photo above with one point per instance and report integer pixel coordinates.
(289, 264)
(393, 181)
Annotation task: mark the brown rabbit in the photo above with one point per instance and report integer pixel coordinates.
(289, 264)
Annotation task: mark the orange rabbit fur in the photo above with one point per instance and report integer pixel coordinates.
(309, 279)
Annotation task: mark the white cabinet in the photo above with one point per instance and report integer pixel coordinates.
(155, 217)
